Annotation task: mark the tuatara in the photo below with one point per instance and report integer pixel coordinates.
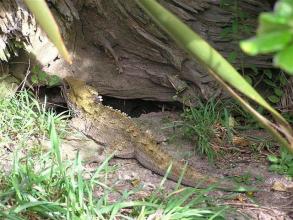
(127, 140)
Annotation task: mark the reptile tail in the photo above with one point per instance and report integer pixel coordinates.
(191, 177)
(161, 161)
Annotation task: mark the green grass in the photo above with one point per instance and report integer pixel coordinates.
(212, 125)
(45, 189)
(199, 123)
(22, 119)
(49, 188)
(282, 164)
(42, 186)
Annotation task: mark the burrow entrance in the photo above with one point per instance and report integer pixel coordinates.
(132, 107)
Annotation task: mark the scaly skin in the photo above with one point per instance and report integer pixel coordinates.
(123, 137)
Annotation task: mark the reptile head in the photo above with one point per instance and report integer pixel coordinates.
(79, 94)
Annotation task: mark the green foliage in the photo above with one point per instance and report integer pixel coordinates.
(243, 120)
(199, 125)
(177, 205)
(240, 26)
(22, 117)
(273, 83)
(289, 117)
(40, 77)
(282, 164)
(41, 189)
(274, 35)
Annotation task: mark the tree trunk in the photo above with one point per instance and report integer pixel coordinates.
(119, 50)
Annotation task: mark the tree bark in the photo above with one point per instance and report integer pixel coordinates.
(119, 50)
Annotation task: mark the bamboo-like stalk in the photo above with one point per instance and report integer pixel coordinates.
(47, 22)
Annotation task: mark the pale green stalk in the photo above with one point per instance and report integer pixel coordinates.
(46, 20)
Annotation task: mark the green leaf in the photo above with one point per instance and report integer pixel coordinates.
(269, 22)
(284, 59)
(34, 79)
(284, 8)
(273, 159)
(287, 156)
(31, 204)
(267, 43)
(42, 76)
(54, 81)
(55, 144)
(268, 73)
(274, 99)
(276, 168)
(36, 69)
(283, 80)
(270, 82)
(284, 153)
(290, 170)
(278, 92)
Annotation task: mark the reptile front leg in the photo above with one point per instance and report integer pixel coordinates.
(106, 136)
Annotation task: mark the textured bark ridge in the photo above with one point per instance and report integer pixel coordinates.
(118, 49)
